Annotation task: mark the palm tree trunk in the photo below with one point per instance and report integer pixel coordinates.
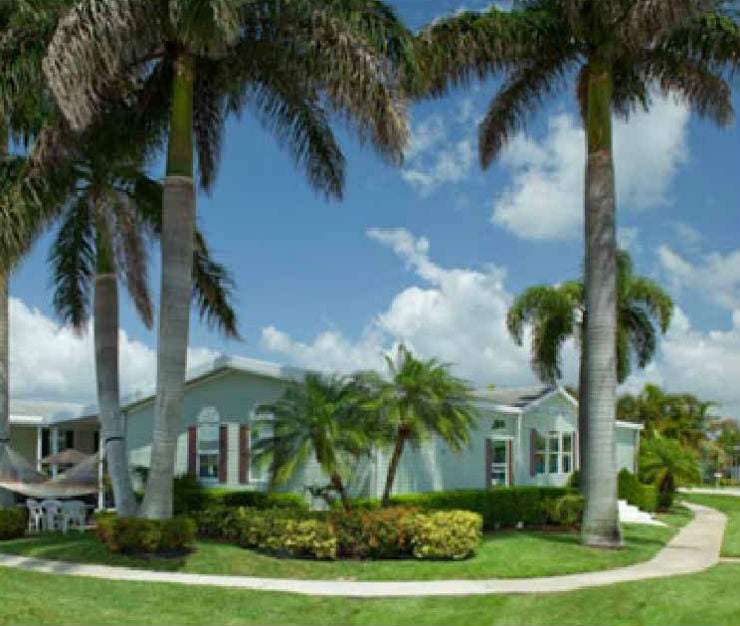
(600, 519)
(338, 485)
(178, 225)
(582, 411)
(6, 497)
(106, 372)
(393, 466)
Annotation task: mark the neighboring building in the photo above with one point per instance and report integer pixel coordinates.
(523, 437)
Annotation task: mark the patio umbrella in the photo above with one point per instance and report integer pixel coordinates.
(69, 456)
(80, 480)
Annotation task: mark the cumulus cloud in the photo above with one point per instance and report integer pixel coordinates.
(457, 315)
(703, 363)
(716, 275)
(544, 199)
(51, 361)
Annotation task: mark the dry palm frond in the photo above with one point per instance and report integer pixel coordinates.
(647, 21)
(209, 118)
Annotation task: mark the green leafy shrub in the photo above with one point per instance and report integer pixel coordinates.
(188, 495)
(574, 480)
(263, 500)
(144, 536)
(13, 522)
(641, 495)
(565, 511)
(500, 508)
(446, 535)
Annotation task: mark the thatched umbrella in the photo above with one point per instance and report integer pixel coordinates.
(70, 456)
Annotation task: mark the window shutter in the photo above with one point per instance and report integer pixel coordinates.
(223, 453)
(533, 452)
(510, 464)
(192, 449)
(489, 460)
(243, 454)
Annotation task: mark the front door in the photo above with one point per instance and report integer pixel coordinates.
(500, 463)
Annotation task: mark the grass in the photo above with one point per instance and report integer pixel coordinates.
(507, 555)
(730, 505)
(34, 598)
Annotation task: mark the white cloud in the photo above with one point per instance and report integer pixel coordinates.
(628, 238)
(703, 363)
(51, 361)
(717, 275)
(544, 200)
(456, 315)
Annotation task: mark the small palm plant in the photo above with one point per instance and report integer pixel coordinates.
(319, 418)
(667, 464)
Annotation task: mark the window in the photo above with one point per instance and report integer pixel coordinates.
(554, 453)
(498, 424)
(208, 443)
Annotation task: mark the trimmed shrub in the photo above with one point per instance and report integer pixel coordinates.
(446, 535)
(262, 500)
(13, 522)
(190, 496)
(377, 534)
(565, 511)
(145, 536)
(500, 508)
(574, 480)
(641, 495)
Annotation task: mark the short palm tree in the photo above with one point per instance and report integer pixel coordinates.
(196, 60)
(421, 400)
(111, 212)
(667, 464)
(320, 418)
(616, 51)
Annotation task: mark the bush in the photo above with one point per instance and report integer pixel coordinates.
(565, 511)
(446, 535)
(390, 533)
(574, 480)
(145, 536)
(262, 500)
(500, 508)
(641, 495)
(190, 496)
(13, 522)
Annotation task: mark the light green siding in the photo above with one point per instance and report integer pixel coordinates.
(627, 441)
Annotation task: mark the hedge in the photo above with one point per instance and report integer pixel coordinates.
(500, 508)
(13, 523)
(145, 536)
(641, 495)
(380, 534)
(190, 496)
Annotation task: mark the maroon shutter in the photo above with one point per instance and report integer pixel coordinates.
(223, 453)
(510, 462)
(192, 449)
(533, 452)
(489, 460)
(243, 454)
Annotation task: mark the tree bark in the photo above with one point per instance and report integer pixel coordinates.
(178, 224)
(338, 485)
(583, 411)
(600, 519)
(393, 466)
(113, 435)
(6, 497)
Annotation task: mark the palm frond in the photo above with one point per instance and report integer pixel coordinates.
(73, 260)
(93, 44)
(213, 290)
(205, 27)
(648, 21)
(523, 92)
(209, 117)
(713, 39)
(655, 300)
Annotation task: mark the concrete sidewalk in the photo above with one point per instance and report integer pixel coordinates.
(695, 548)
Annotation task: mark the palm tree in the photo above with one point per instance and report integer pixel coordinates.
(321, 417)
(421, 399)
(558, 313)
(667, 464)
(111, 212)
(288, 61)
(616, 51)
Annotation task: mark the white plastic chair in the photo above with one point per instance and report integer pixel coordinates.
(35, 516)
(73, 515)
(51, 509)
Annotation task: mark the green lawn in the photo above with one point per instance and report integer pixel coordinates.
(507, 555)
(32, 598)
(730, 505)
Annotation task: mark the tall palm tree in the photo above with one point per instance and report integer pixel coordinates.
(421, 400)
(558, 313)
(320, 417)
(112, 211)
(290, 61)
(616, 51)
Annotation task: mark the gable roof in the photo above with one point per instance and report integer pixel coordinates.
(515, 397)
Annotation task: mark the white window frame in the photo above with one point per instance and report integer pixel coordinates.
(257, 473)
(208, 420)
(547, 451)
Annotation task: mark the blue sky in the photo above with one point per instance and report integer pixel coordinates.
(433, 252)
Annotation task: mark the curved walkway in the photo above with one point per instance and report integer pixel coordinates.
(695, 548)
